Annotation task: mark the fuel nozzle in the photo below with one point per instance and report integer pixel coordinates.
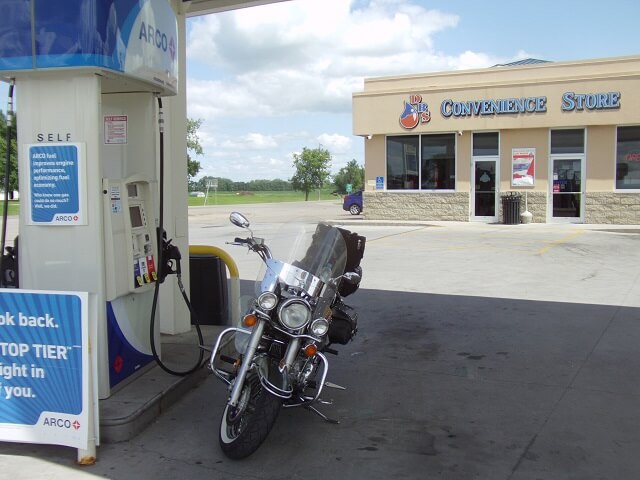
(170, 257)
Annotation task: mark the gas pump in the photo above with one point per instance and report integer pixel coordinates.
(88, 83)
(131, 254)
(130, 218)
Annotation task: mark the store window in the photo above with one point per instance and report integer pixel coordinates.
(486, 144)
(628, 158)
(431, 158)
(439, 162)
(402, 163)
(567, 141)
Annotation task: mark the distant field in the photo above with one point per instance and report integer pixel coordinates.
(14, 207)
(227, 198)
(239, 198)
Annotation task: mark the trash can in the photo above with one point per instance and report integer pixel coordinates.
(511, 208)
(208, 284)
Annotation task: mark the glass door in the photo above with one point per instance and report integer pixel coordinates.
(484, 190)
(567, 189)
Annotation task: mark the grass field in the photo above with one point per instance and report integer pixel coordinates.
(229, 198)
(13, 209)
(239, 198)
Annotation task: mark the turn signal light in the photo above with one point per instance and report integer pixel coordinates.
(310, 350)
(249, 320)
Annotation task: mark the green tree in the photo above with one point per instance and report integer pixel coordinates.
(225, 185)
(312, 169)
(193, 145)
(13, 160)
(280, 185)
(352, 174)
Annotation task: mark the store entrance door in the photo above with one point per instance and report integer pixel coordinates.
(567, 194)
(484, 195)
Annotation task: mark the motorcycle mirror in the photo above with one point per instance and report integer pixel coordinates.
(352, 277)
(239, 220)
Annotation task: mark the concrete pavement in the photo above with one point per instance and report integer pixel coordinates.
(484, 351)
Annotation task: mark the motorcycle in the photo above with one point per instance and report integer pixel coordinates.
(276, 358)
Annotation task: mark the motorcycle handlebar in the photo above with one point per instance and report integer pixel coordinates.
(257, 246)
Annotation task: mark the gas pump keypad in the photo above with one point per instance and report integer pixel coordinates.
(143, 259)
(130, 226)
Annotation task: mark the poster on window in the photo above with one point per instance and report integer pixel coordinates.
(523, 171)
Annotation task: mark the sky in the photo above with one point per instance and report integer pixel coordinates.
(268, 81)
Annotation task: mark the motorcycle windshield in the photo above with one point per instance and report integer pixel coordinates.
(306, 256)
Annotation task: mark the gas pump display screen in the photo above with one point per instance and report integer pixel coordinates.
(136, 216)
(132, 190)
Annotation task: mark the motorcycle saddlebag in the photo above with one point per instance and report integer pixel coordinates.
(355, 251)
(344, 324)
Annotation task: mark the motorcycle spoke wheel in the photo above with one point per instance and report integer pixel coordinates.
(243, 429)
(236, 418)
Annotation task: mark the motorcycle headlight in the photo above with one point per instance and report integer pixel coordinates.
(267, 301)
(294, 313)
(319, 327)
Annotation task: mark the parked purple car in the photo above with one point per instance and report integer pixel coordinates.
(352, 203)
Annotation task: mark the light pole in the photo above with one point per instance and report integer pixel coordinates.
(211, 183)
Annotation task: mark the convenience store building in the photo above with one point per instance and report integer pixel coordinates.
(448, 146)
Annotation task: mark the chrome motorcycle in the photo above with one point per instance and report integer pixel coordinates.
(276, 357)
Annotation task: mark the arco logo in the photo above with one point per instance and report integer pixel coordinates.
(153, 36)
(57, 422)
(66, 218)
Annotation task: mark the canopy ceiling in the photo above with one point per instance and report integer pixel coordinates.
(193, 8)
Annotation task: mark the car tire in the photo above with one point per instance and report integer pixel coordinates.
(355, 209)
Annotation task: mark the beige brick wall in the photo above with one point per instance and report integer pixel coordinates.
(449, 206)
(612, 208)
(600, 207)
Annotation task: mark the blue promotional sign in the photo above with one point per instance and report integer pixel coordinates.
(379, 183)
(44, 367)
(56, 193)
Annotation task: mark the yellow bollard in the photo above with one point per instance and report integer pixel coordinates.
(234, 279)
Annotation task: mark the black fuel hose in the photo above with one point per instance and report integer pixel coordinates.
(200, 363)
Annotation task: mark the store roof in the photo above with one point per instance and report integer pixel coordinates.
(524, 61)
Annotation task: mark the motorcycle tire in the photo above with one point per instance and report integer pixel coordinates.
(242, 431)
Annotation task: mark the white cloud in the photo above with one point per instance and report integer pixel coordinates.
(249, 69)
(247, 167)
(335, 142)
(251, 141)
(307, 55)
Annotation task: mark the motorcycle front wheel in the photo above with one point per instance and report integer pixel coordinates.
(245, 427)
